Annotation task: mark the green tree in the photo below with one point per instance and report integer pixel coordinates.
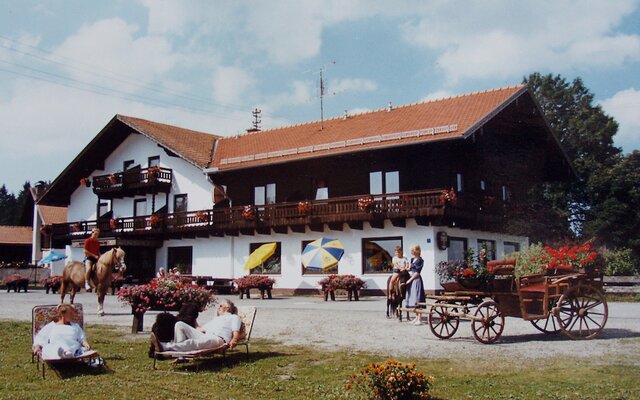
(7, 206)
(615, 216)
(586, 135)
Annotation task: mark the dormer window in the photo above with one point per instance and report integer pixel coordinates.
(154, 161)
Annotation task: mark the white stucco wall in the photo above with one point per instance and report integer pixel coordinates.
(187, 179)
(225, 257)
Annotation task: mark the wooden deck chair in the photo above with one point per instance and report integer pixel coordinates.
(247, 316)
(43, 314)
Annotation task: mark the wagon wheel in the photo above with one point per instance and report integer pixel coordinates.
(582, 312)
(489, 324)
(442, 323)
(547, 325)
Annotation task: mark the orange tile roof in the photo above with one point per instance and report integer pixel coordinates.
(53, 215)
(448, 118)
(195, 147)
(15, 234)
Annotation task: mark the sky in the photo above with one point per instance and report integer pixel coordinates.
(68, 66)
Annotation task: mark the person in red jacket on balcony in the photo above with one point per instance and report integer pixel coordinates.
(91, 254)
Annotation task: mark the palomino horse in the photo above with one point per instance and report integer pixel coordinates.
(397, 295)
(73, 275)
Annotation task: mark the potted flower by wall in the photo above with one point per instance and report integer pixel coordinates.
(448, 271)
(349, 283)
(260, 282)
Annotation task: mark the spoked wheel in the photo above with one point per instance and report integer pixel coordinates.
(442, 323)
(547, 325)
(582, 312)
(488, 323)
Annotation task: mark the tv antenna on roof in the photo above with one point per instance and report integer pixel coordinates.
(255, 125)
(322, 95)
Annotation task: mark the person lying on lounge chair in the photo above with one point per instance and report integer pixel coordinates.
(224, 329)
(61, 338)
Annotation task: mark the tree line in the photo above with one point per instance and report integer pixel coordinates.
(12, 206)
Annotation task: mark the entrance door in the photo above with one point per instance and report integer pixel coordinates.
(141, 262)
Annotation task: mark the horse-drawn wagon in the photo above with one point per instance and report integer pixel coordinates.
(571, 303)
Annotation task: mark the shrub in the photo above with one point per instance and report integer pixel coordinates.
(621, 262)
(392, 380)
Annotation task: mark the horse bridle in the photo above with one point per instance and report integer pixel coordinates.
(117, 264)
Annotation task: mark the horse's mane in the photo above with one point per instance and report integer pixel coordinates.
(106, 257)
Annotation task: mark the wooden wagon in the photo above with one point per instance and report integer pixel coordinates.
(571, 303)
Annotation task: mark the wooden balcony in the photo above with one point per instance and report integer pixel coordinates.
(424, 206)
(134, 182)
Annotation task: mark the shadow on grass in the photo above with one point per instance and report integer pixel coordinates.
(218, 363)
(68, 371)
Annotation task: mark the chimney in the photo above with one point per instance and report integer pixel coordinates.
(389, 108)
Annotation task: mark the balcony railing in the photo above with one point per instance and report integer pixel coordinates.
(134, 181)
(421, 205)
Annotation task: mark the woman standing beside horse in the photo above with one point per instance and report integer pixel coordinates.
(415, 287)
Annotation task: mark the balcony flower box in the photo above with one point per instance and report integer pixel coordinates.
(202, 216)
(260, 282)
(366, 204)
(85, 182)
(113, 223)
(249, 213)
(154, 221)
(76, 227)
(349, 283)
(163, 295)
(305, 207)
(153, 173)
(113, 180)
(448, 196)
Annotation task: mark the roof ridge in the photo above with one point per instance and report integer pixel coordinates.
(384, 109)
(121, 116)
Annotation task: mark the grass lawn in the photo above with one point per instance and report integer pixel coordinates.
(274, 371)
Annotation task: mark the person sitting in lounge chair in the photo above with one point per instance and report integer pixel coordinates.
(61, 338)
(224, 329)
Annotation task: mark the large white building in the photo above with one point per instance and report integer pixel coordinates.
(201, 202)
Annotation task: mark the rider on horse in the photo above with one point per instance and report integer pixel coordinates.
(400, 264)
(91, 254)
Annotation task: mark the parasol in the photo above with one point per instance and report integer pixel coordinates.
(260, 255)
(322, 254)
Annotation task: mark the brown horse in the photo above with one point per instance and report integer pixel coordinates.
(73, 276)
(397, 295)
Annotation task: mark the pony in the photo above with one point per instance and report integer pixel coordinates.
(397, 295)
(73, 276)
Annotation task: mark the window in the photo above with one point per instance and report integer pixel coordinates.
(332, 270)
(377, 254)
(127, 164)
(380, 183)
(483, 185)
(181, 258)
(272, 265)
(154, 161)
(491, 248)
(180, 203)
(506, 194)
(104, 207)
(139, 207)
(264, 194)
(457, 249)
(510, 247)
(459, 182)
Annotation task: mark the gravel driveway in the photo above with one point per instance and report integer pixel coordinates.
(362, 326)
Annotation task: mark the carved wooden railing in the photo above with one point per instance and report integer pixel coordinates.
(134, 178)
(429, 203)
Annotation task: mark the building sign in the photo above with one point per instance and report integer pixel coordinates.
(104, 242)
(443, 240)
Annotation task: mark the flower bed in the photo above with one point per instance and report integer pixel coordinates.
(391, 380)
(164, 294)
(344, 282)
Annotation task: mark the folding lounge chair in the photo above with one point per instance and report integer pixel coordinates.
(247, 316)
(41, 316)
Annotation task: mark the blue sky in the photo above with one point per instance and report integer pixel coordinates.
(67, 67)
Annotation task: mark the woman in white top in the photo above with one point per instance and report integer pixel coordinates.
(61, 338)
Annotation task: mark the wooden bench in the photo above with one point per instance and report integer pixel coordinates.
(622, 284)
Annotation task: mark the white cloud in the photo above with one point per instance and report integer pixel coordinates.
(510, 39)
(112, 46)
(437, 95)
(230, 84)
(351, 85)
(623, 106)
